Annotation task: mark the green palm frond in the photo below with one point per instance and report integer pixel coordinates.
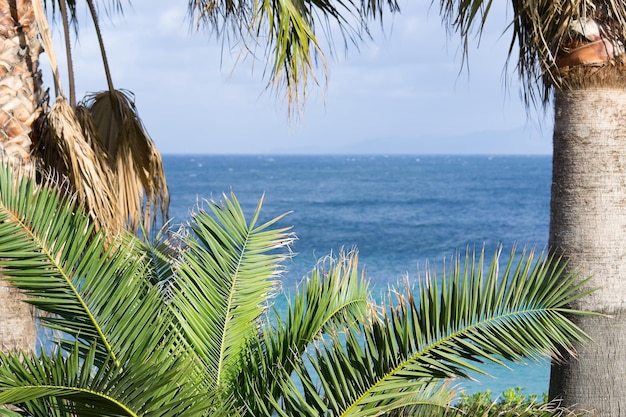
(129, 345)
(94, 292)
(162, 253)
(291, 32)
(224, 281)
(432, 400)
(68, 384)
(335, 294)
(333, 298)
(445, 331)
(149, 350)
(96, 295)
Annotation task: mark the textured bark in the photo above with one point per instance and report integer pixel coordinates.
(588, 226)
(20, 81)
(17, 330)
(20, 98)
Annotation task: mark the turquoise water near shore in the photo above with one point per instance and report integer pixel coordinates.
(401, 212)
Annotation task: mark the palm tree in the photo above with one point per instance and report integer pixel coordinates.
(571, 53)
(184, 325)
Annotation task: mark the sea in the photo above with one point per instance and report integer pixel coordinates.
(404, 213)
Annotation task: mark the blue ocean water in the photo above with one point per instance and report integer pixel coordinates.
(399, 211)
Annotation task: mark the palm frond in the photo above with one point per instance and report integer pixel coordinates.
(334, 295)
(426, 399)
(450, 327)
(90, 132)
(76, 384)
(137, 169)
(224, 280)
(163, 253)
(432, 400)
(333, 298)
(94, 292)
(128, 349)
(65, 149)
(291, 33)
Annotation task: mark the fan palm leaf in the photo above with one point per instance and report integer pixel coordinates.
(138, 177)
(90, 132)
(450, 327)
(122, 187)
(224, 282)
(66, 149)
(63, 146)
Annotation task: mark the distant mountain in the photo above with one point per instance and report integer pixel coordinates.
(518, 141)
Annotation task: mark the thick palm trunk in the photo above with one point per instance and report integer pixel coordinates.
(588, 225)
(19, 107)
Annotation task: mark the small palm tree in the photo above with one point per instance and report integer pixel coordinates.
(184, 325)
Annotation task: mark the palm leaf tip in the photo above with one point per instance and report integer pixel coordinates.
(527, 298)
(227, 273)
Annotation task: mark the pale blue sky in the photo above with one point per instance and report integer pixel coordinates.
(402, 92)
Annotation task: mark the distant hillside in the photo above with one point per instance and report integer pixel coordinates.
(519, 141)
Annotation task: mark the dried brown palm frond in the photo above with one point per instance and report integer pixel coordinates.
(90, 132)
(64, 148)
(115, 133)
(136, 165)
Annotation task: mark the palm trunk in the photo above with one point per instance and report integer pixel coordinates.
(20, 97)
(588, 225)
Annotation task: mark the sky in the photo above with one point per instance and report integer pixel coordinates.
(404, 91)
